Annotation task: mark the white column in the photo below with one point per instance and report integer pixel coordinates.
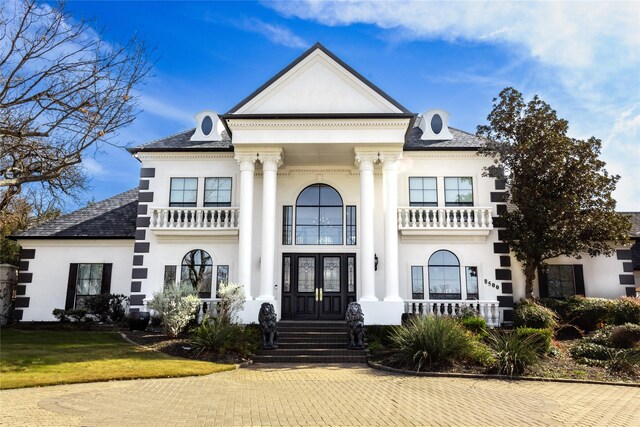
(270, 163)
(245, 222)
(390, 198)
(367, 252)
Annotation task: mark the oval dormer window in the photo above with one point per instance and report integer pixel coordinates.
(436, 123)
(207, 125)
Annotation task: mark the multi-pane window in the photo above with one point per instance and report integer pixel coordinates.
(351, 225)
(561, 281)
(458, 191)
(88, 282)
(444, 276)
(217, 192)
(423, 191)
(319, 216)
(197, 269)
(471, 274)
(287, 225)
(417, 282)
(184, 192)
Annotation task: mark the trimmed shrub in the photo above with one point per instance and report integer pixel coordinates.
(73, 314)
(60, 314)
(476, 325)
(107, 307)
(541, 338)
(514, 353)
(177, 304)
(558, 306)
(530, 314)
(625, 336)
(589, 350)
(430, 342)
(568, 332)
(588, 314)
(625, 310)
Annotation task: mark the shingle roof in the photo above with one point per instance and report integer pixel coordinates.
(461, 140)
(181, 142)
(634, 217)
(112, 218)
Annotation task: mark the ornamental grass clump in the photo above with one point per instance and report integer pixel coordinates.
(430, 343)
(177, 303)
(514, 352)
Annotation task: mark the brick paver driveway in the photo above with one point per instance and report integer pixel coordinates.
(266, 395)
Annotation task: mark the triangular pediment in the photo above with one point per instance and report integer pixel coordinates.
(318, 83)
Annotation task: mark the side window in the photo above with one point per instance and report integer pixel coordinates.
(423, 191)
(351, 225)
(184, 192)
(560, 279)
(472, 282)
(287, 225)
(217, 192)
(458, 191)
(222, 276)
(417, 282)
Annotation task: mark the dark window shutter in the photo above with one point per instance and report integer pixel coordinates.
(106, 279)
(578, 278)
(543, 283)
(71, 286)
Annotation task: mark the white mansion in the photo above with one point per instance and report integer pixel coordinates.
(316, 190)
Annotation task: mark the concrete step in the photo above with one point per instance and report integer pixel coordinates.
(302, 359)
(317, 344)
(311, 351)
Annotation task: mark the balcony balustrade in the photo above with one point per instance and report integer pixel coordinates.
(488, 310)
(445, 221)
(194, 220)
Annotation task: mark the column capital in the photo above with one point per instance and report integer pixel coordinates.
(270, 161)
(389, 159)
(366, 161)
(246, 161)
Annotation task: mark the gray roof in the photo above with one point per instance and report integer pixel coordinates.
(461, 140)
(113, 218)
(634, 217)
(181, 142)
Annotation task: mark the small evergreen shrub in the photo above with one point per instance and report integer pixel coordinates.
(559, 306)
(530, 314)
(541, 338)
(176, 303)
(220, 337)
(476, 325)
(73, 314)
(107, 307)
(514, 352)
(568, 332)
(430, 343)
(589, 350)
(60, 314)
(588, 314)
(600, 337)
(625, 310)
(625, 336)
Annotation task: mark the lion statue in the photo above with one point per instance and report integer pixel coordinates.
(355, 322)
(267, 319)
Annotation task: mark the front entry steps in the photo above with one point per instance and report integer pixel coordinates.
(311, 342)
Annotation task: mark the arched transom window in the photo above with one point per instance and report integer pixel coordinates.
(444, 276)
(197, 269)
(319, 216)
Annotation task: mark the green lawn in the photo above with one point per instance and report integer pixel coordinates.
(37, 358)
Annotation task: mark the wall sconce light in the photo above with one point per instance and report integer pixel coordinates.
(375, 261)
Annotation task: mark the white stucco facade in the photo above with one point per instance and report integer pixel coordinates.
(318, 124)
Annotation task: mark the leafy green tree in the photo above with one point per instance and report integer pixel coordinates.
(559, 191)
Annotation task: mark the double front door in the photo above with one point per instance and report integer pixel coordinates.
(317, 286)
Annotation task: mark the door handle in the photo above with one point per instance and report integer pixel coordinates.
(317, 294)
(321, 298)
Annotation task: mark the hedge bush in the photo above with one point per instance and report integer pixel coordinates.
(625, 310)
(476, 325)
(530, 314)
(588, 314)
(625, 336)
(590, 350)
(107, 307)
(568, 332)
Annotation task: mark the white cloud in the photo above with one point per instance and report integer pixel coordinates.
(275, 33)
(586, 58)
(157, 107)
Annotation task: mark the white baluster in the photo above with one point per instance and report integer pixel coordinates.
(490, 219)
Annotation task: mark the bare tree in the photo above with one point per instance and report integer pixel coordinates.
(63, 90)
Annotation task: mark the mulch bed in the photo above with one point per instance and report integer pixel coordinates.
(157, 340)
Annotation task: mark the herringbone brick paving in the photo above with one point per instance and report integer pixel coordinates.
(321, 395)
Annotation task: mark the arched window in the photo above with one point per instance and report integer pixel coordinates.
(197, 269)
(444, 276)
(319, 216)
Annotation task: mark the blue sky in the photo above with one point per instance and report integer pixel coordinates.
(582, 58)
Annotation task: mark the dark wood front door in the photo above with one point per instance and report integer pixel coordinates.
(317, 286)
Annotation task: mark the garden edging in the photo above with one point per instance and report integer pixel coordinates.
(493, 376)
